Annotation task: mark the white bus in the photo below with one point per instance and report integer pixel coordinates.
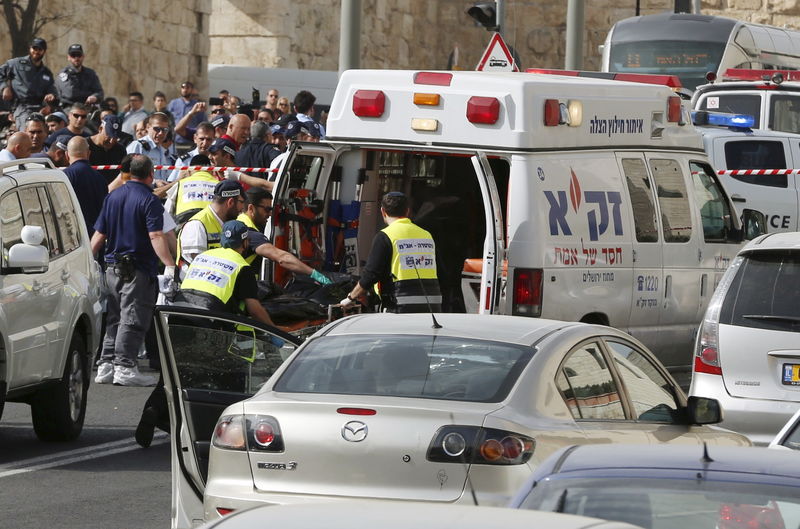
(691, 46)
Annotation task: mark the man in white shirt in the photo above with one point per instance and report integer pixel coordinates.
(18, 147)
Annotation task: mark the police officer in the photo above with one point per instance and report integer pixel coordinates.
(221, 280)
(76, 83)
(402, 260)
(150, 145)
(29, 81)
(204, 230)
(132, 222)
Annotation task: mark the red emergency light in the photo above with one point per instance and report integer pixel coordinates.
(484, 110)
(671, 81)
(552, 112)
(369, 103)
(674, 109)
(434, 78)
(742, 74)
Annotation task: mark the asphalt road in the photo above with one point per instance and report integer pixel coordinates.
(102, 480)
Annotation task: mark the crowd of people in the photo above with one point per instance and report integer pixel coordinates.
(152, 227)
(50, 109)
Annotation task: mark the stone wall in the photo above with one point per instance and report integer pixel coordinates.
(423, 33)
(150, 45)
(144, 46)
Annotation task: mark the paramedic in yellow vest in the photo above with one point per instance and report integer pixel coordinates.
(257, 210)
(193, 192)
(222, 281)
(402, 261)
(204, 230)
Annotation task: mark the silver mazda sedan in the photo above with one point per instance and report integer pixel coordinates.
(456, 409)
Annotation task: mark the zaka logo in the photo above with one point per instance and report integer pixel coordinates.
(597, 216)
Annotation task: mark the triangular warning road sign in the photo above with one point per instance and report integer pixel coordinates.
(497, 58)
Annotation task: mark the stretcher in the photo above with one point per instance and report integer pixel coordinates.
(305, 328)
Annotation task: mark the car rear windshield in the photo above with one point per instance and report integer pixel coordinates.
(406, 366)
(699, 503)
(734, 103)
(765, 292)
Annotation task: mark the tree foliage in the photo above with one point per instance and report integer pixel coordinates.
(25, 22)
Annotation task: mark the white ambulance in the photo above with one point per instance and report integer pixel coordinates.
(572, 198)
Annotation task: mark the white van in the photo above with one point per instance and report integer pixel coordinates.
(50, 289)
(755, 167)
(548, 181)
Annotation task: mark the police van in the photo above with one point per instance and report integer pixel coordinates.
(572, 198)
(756, 166)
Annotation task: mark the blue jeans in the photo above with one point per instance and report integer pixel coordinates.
(129, 314)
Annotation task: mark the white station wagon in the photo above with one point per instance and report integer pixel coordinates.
(455, 409)
(50, 289)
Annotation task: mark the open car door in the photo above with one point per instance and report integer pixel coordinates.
(493, 245)
(209, 361)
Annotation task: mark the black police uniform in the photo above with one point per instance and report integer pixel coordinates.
(75, 86)
(30, 84)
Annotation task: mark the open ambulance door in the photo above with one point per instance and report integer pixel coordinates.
(208, 364)
(301, 205)
(493, 244)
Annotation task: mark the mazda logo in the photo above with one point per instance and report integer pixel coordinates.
(354, 431)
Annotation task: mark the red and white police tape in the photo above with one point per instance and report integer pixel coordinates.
(758, 172)
(197, 168)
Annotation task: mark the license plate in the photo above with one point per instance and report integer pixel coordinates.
(791, 375)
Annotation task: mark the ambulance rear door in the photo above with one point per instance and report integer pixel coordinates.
(300, 206)
(492, 284)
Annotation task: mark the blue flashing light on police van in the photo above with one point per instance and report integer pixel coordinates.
(720, 119)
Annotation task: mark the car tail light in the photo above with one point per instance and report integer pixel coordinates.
(229, 433)
(222, 511)
(369, 103)
(248, 432)
(747, 516)
(476, 445)
(527, 294)
(426, 99)
(706, 357)
(485, 110)
(356, 411)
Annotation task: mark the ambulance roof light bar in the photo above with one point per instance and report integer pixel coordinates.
(775, 76)
(721, 119)
(672, 81)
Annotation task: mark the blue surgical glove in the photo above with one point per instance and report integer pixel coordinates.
(317, 276)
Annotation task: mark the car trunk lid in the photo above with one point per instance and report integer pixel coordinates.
(345, 454)
(760, 363)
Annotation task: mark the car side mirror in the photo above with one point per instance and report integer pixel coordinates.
(754, 223)
(702, 410)
(29, 255)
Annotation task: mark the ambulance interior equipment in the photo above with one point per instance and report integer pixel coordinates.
(562, 196)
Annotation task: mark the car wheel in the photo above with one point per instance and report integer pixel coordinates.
(58, 411)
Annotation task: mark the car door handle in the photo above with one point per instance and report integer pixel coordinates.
(64, 274)
(36, 286)
(738, 198)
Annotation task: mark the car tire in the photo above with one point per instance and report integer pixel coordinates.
(58, 411)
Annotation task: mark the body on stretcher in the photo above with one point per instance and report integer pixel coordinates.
(305, 328)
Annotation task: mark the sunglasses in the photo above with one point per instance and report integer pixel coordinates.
(79, 116)
(35, 116)
(37, 48)
(218, 111)
(268, 209)
(76, 55)
(161, 129)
